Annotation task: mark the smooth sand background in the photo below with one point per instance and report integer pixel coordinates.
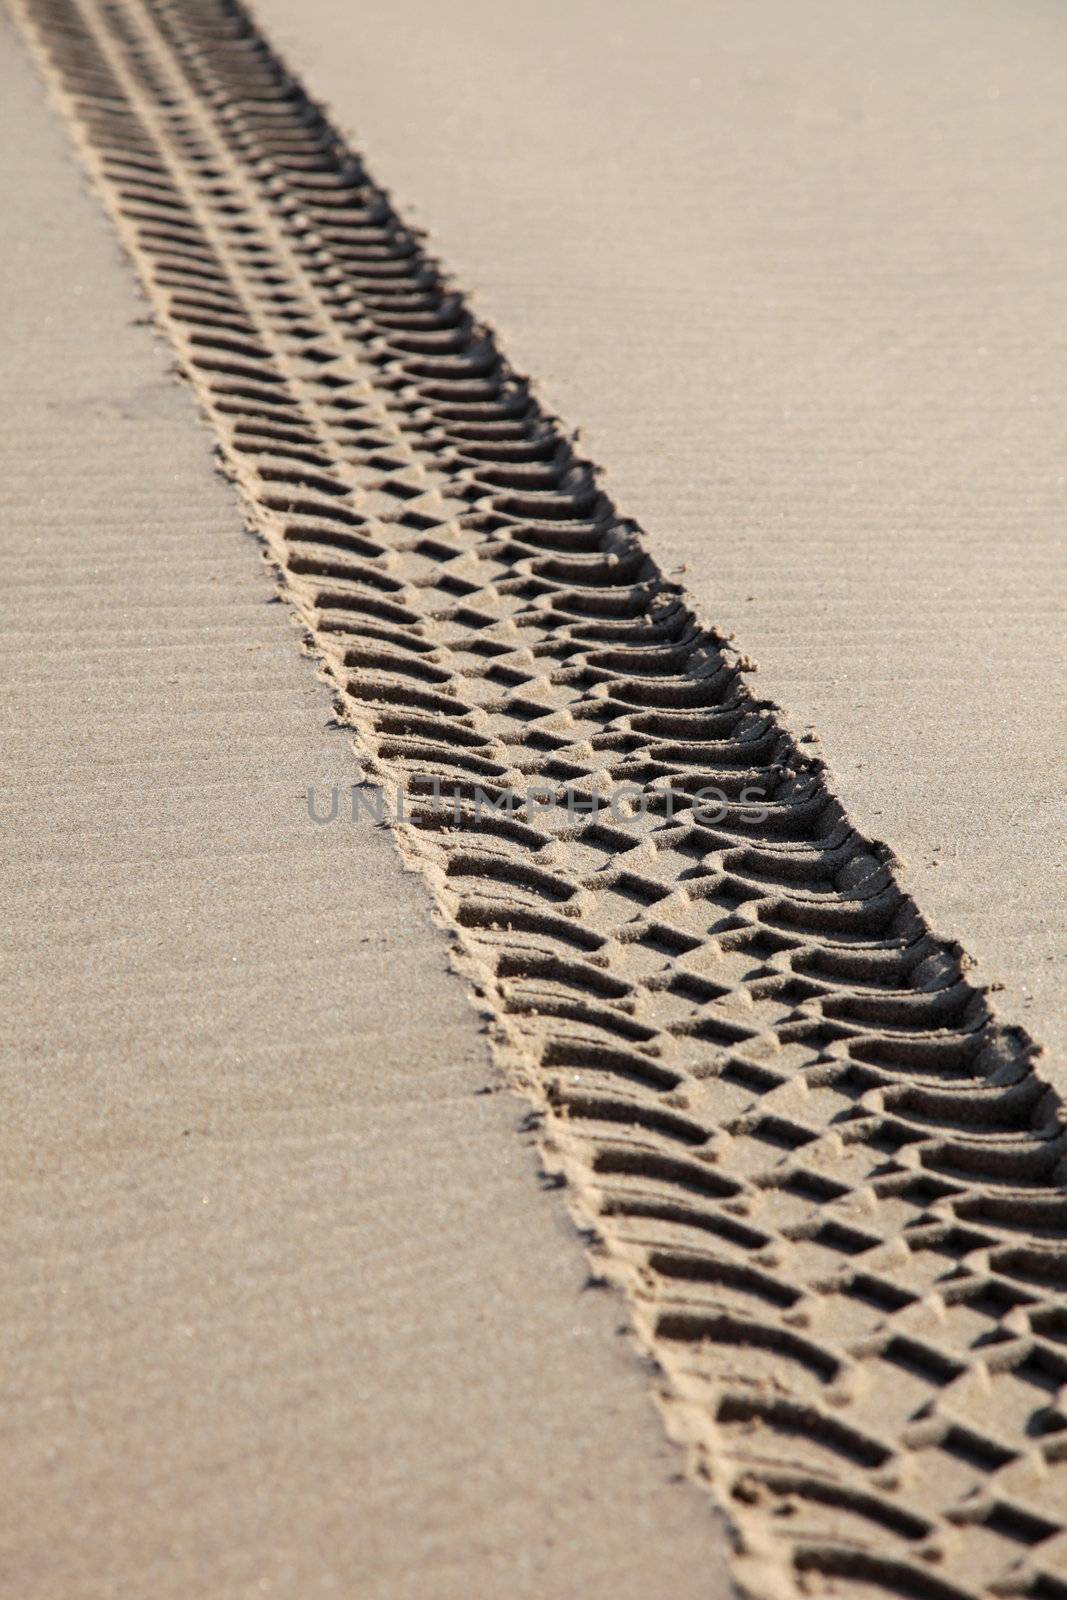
(285, 1309)
(799, 272)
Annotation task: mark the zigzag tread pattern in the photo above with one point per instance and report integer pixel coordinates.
(828, 1179)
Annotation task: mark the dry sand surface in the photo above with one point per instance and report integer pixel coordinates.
(289, 1311)
(799, 273)
(285, 1310)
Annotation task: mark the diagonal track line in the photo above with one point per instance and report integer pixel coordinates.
(827, 1177)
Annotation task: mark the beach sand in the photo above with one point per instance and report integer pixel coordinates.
(294, 1306)
(797, 275)
(286, 1309)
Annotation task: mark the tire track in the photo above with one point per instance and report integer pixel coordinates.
(829, 1180)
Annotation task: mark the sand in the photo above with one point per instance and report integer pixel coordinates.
(821, 1174)
(286, 1310)
(797, 275)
